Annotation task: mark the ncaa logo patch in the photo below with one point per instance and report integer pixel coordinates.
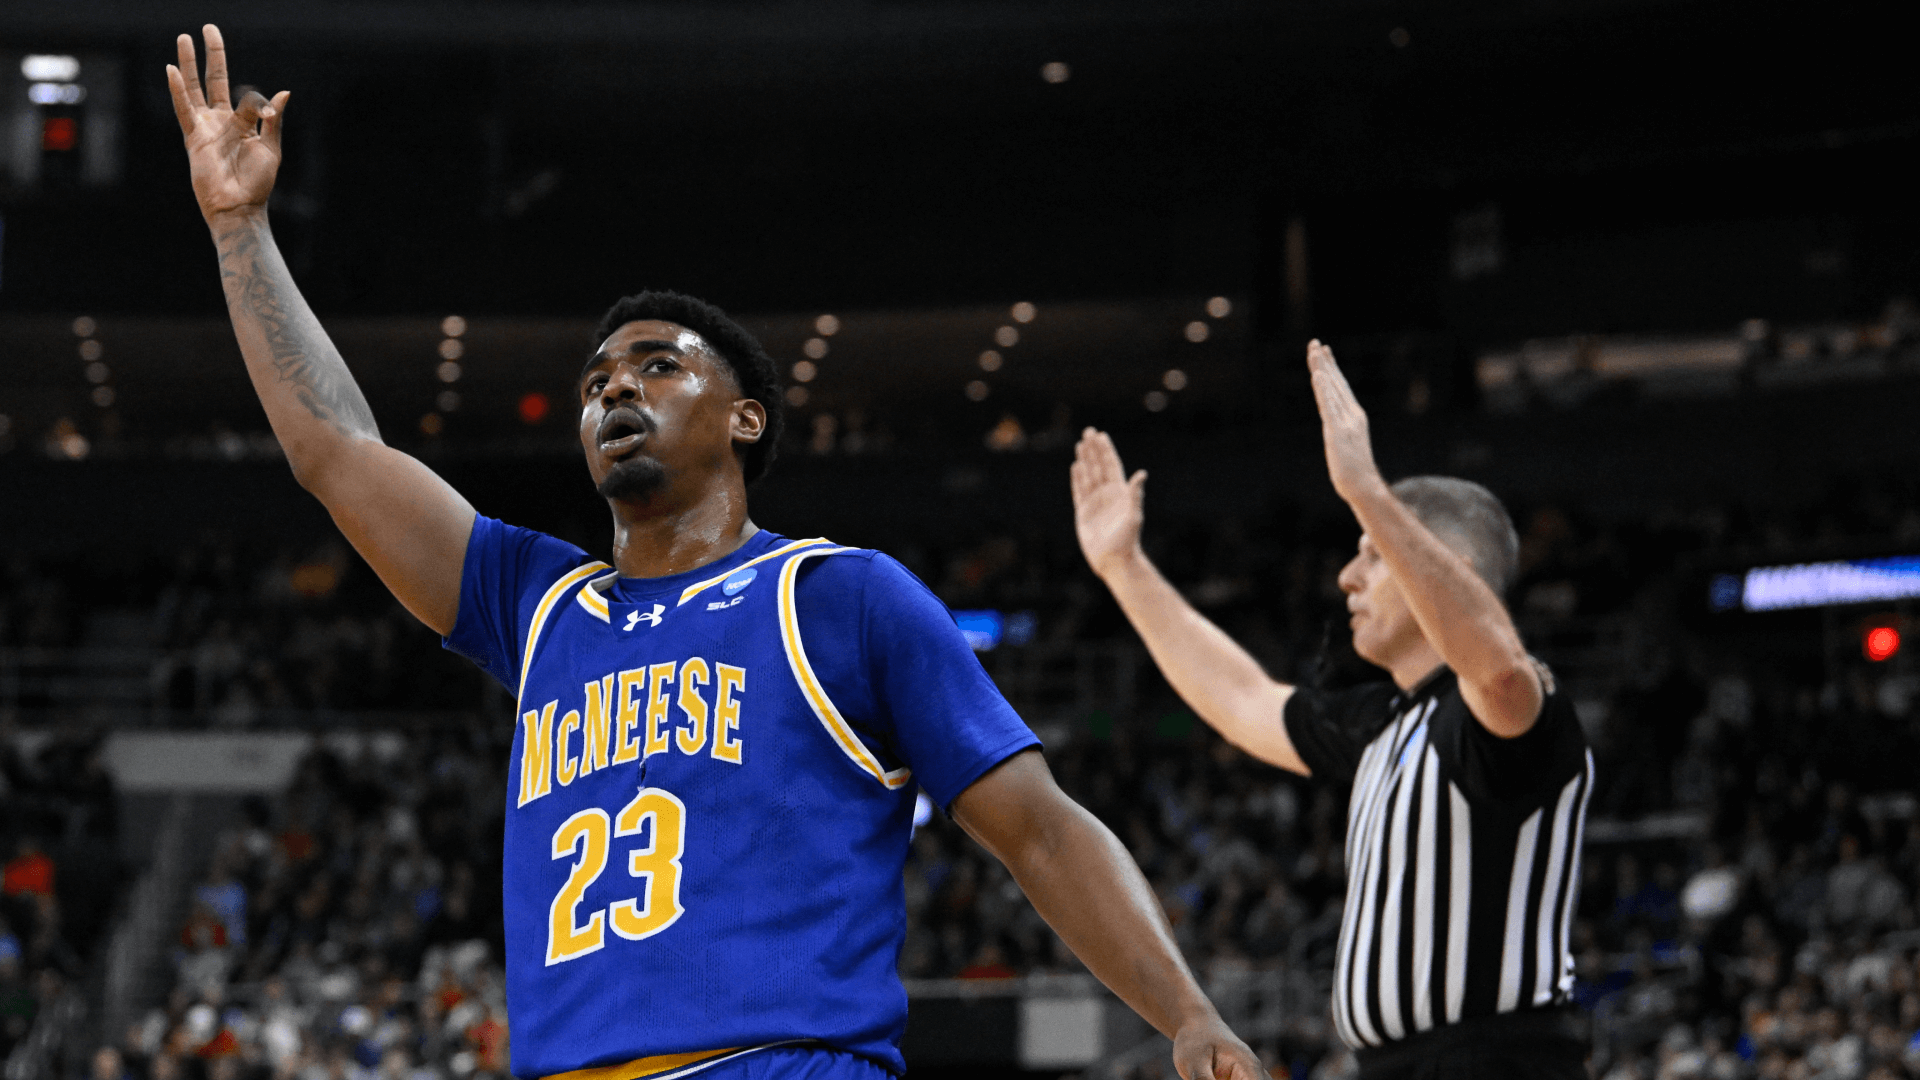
(739, 581)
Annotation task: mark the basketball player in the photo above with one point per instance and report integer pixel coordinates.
(720, 733)
(1470, 775)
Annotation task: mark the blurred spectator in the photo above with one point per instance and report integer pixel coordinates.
(342, 930)
(107, 1064)
(59, 887)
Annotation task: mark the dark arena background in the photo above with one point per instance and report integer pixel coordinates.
(1646, 268)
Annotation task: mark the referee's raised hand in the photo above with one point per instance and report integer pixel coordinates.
(1107, 504)
(1343, 426)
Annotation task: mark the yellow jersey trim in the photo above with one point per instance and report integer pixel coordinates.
(810, 688)
(540, 613)
(699, 587)
(642, 1067)
(672, 1066)
(594, 603)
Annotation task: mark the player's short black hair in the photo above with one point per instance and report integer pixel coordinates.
(756, 372)
(1470, 519)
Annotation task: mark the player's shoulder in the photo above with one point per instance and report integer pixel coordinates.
(536, 560)
(865, 577)
(518, 540)
(821, 553)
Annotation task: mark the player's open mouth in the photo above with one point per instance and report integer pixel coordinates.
(621, 431)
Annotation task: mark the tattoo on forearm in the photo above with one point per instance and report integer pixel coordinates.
(298, 352)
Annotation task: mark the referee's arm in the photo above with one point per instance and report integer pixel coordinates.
(1457, 612)
(1218, 678)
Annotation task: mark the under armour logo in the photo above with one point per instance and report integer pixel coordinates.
(652, 617)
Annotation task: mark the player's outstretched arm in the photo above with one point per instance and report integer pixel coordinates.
(1225, 685)
(1085, 885)
(1457, 611)
(408, 524)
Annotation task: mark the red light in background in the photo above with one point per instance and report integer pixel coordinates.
(59, 133)
(1881, 643)
(533, 407)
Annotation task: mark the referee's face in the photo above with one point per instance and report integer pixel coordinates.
(1377, 611)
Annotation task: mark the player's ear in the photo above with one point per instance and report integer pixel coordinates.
(749, 421)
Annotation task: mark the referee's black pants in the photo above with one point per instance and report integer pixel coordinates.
(1535, 1044)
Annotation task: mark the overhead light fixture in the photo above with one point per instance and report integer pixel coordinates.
(50, 93)
(47, 67)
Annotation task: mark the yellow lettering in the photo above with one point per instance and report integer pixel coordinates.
(726, 713)
(565, 768)
(536, 754)
(657, 707)
(585, 832)
(658, 863)
(598, 725)
(692, 738)
(625, 746)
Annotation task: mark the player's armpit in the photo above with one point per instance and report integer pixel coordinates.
(409, 524)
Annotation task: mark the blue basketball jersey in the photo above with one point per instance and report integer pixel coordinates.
(711, 791)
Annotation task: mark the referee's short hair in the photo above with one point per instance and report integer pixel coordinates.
(1468, 517)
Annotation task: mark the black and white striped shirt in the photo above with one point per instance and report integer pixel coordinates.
(1463, 855)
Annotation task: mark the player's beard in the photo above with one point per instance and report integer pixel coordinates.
(633, 479)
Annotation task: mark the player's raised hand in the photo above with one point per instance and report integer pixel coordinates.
(1343, 426)
(1211, 1051)
(234, 150)
(1107, 505)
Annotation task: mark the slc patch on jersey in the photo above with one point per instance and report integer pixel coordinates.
(692, 820)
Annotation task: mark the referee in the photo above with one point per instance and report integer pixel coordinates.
(1470, 775)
